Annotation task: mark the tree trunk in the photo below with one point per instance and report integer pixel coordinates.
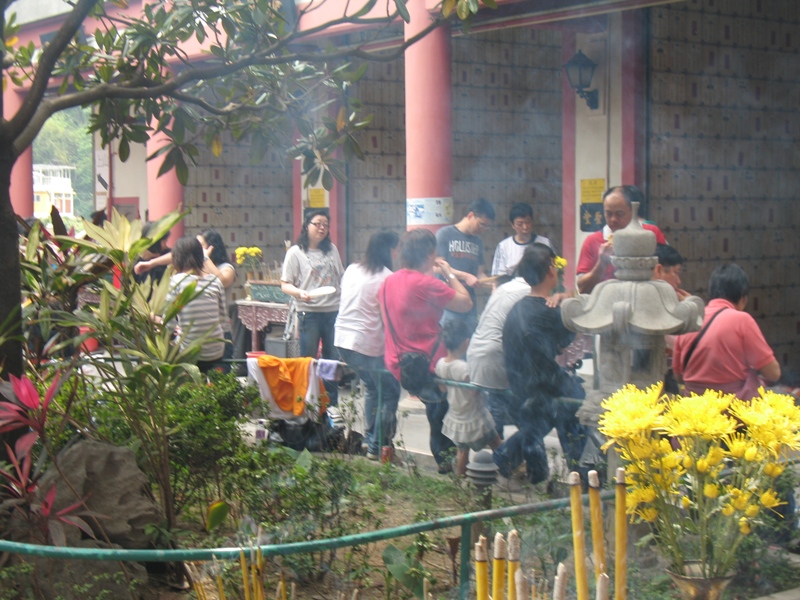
(10, 290)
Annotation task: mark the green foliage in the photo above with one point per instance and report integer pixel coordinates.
(134, 385)
(64, 140)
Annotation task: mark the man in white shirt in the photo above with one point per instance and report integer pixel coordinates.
(509, 252)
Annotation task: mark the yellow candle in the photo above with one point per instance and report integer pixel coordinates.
(520, 582)
(218, 571)
(620, 539)
(596, 518)
(513, 565)
(602, 587)
(499, 567)
(245, 575)
(481, 569)
(560, 583)
(578, 536)
(254, 575)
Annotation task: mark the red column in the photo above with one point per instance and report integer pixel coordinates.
(568, 198)
(634, 123)
(21, 188)
(165, 193)
(429, 189)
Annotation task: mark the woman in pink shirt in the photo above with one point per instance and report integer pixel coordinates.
(412, 302)
(731, 352)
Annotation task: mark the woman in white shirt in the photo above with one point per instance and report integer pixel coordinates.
(359, 337)
(312, 263)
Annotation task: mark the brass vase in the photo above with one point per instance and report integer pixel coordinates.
(693, 586)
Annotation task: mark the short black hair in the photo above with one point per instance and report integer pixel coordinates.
(454, 332)
(631, 193)
(187, 254)
(668, 256)
(728, 282)
(415, 247)
(520, 210)
(535, 263)
(481, 208)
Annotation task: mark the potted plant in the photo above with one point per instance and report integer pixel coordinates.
(701, 470)
(250, 259)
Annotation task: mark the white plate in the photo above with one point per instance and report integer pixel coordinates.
(322, 291)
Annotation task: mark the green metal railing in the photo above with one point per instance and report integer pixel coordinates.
(464, 521)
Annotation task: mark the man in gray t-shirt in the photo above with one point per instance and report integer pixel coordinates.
(461, 247)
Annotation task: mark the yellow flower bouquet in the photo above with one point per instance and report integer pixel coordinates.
(700, 469)
(250, 257)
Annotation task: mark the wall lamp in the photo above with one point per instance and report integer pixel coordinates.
(580, 70)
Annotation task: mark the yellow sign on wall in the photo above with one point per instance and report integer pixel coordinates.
(316, 198)
(592, 190)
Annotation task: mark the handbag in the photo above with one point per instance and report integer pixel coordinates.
(415, 366)
(696, 340)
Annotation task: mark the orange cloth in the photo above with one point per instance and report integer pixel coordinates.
(288, 381)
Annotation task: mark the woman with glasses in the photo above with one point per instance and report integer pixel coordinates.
(314, 263)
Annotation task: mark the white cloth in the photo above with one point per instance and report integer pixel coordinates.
(359, 326)
(485, 353)
(509, 252)
(467, 419)
(313, 269)
(254, 373)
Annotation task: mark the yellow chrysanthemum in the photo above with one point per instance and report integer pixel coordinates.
(685, 502)
(630, 412)
(703, 416)
(751, 454)
(637, 496)
(715, 455)
(560, 263)
(687, 462)
(737, 444)
(740, 502)
(703, 466)
(772, 421)
(744, 526)
(751, 510)
(711, 490)
(773, 469)
(769, 499)
(648, 514)
(728, 510)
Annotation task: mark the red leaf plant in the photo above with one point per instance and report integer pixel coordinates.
(21, 487)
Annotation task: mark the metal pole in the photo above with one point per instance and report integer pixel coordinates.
(466, 553)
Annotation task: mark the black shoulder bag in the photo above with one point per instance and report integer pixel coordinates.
(670, 383)
(415, 367)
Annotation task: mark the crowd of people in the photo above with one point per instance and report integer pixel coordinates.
(414, 296)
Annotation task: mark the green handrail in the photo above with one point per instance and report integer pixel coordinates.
(207, 554)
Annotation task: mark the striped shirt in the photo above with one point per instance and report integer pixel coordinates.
(203, 316)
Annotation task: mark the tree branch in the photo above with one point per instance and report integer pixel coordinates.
(44, 70)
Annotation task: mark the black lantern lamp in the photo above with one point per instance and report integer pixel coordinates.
(580, 70)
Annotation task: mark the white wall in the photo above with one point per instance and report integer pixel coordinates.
(28, 11)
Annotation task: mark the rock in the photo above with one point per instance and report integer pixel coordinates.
(114, 487)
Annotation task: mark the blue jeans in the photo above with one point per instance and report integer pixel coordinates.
(528, 443)
(316, 326)
(435, 401)
(497, 403)
(381, 388)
